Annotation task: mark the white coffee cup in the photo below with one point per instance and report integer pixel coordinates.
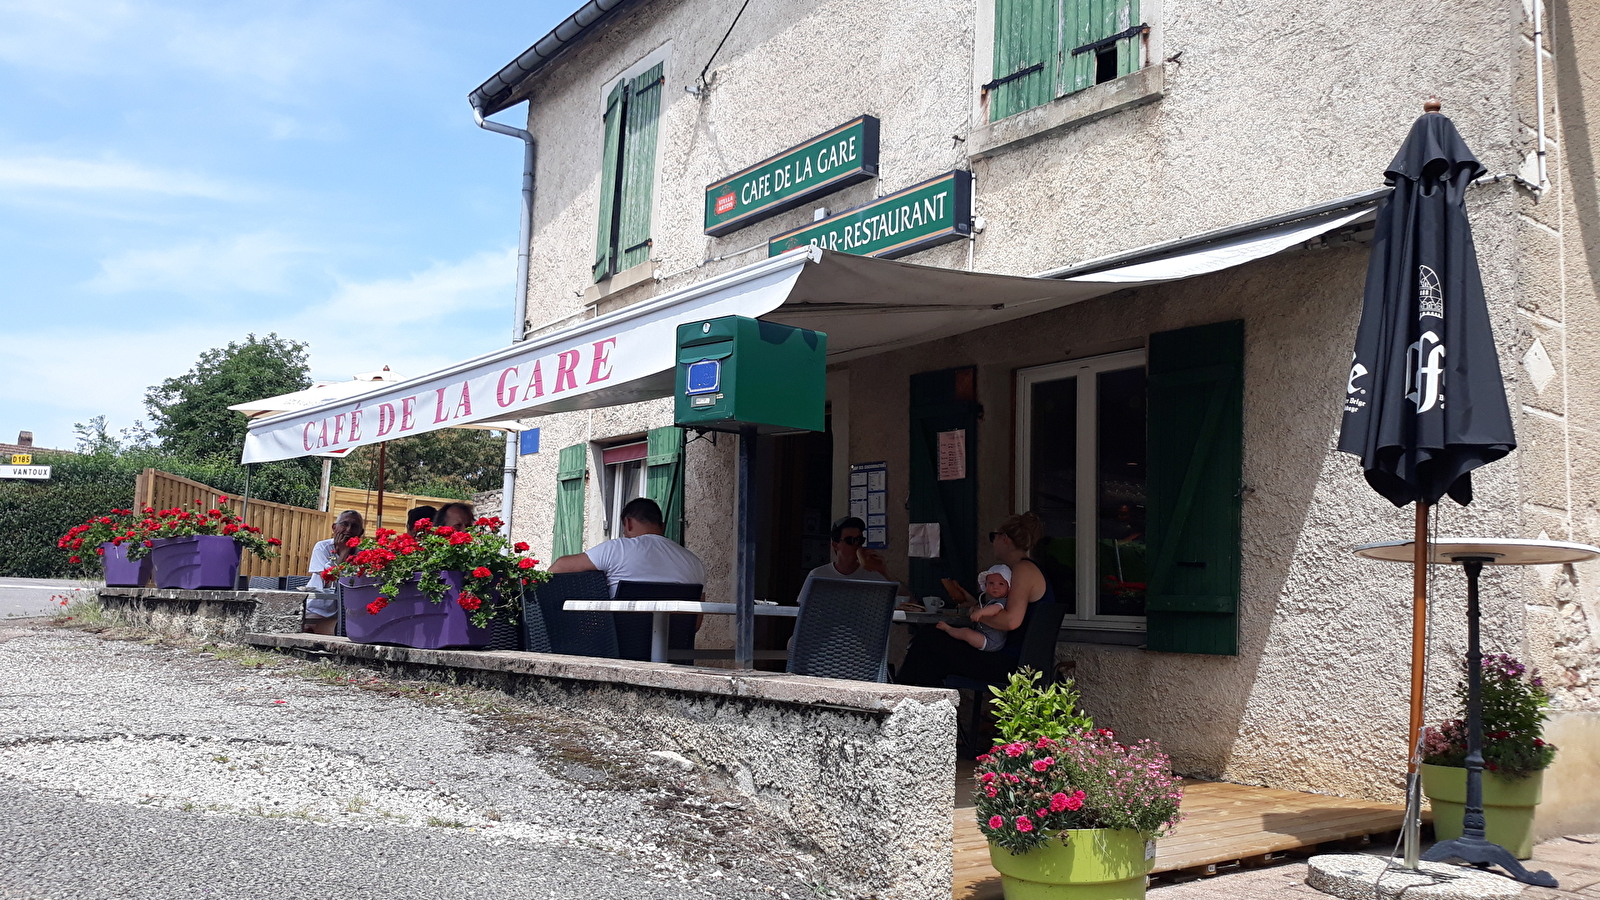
(932, 604)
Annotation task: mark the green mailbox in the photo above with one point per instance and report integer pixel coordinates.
(735, 371)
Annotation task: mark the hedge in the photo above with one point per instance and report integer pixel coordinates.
(33, 514)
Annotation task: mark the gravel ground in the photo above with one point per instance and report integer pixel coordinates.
(133, 768)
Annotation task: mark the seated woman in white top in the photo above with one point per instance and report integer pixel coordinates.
(643, 553)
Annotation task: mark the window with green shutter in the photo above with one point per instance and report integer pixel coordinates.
(571, 474)
(663, 478)
(1196, 447)
(627, 173)
(1044, 49)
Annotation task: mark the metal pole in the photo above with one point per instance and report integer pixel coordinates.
(1411, 832)
(1472, 847)
(244, 504)
(744, 640)
(1472, 822)
(383, 458)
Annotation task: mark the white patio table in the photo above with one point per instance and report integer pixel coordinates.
(660, 609)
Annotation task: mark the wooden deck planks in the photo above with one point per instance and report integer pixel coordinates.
(1223, 823)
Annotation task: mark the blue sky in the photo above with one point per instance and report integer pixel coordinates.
(175, 175)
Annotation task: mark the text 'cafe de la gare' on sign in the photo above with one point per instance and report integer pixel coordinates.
(907, 221)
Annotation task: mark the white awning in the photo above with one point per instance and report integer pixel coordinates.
(864, 305)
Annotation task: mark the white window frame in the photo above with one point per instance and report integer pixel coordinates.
(1086, 371)
(612, 479)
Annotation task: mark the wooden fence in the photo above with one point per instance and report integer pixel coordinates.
(299, 528)
(365, 502)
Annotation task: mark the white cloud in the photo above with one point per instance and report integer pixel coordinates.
(102, 364)
(481, 281)
(111, 176)
(271, 50)
(251, 263)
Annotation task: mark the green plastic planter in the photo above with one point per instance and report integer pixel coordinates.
(1092, 864)
(1508, 806)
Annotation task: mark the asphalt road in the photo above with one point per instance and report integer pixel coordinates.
(37, 596)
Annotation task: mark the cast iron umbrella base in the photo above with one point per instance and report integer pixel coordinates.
(1473, 554)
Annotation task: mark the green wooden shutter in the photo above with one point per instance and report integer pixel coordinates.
(1026, 36)
(638, 169)
(1196, 441)
(605, 248)
(1085, 21)
(942, 402)
(571, 474)
(663, 476)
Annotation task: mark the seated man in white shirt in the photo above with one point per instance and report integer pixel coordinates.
(322, 607)
(850, 557)
(643, 553)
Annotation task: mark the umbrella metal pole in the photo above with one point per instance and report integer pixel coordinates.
(383, 458)
(1411, 832)
(1472, 847)
(744, 639)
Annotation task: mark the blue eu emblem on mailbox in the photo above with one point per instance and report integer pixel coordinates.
(704, 377)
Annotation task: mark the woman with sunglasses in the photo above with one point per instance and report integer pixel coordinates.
(935, 656)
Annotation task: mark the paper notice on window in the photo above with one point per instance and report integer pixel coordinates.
(953, 455)
(924, 540)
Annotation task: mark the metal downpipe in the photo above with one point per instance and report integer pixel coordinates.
(519, 325)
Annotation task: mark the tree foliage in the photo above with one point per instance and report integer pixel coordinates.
(190, 414)
(450, 462)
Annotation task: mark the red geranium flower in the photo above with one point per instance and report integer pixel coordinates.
(481, 572)
(520, 546)
(460, 537)
(469, 602)
(526, 563)
(74, 559)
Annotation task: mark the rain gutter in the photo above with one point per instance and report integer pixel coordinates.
(1153, 251)
(519, 325)
(498, 92)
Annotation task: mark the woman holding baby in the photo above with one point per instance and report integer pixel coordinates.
(988, 651)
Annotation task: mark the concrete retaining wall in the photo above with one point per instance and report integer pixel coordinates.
(219, 615)
(861, 774)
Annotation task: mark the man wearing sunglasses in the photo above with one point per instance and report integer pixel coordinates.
(851, 558)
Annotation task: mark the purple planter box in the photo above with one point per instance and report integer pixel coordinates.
(196, 562)
(411, 619)
(122, 571)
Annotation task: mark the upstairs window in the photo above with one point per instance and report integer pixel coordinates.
(628, 173)
(1044, 49)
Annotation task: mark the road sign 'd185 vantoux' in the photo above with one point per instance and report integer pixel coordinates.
(33, 473)
(835, 159)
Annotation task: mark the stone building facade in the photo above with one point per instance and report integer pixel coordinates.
(1215, 116)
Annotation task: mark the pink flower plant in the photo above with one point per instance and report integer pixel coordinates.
(1030, 792)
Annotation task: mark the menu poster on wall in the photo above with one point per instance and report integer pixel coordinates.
(869, 500)
(953, 455)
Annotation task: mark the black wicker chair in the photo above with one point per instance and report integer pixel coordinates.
(571, 632)
(1039, 635)
(843, 629)
(633, 629)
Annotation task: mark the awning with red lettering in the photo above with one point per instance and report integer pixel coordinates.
(864, 305)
